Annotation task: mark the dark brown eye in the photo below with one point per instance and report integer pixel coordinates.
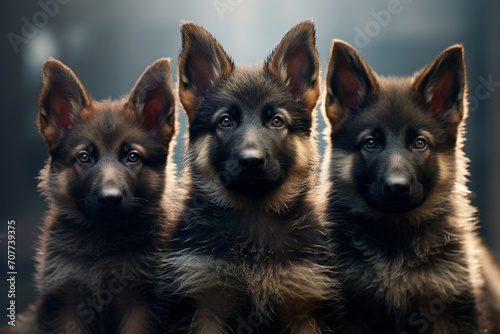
(277, 121)
(226, 121)
(420, 143)
(133, 157)
(84, 157)
(371, 143)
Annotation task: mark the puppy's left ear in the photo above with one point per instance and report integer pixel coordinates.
(153, 101)
(295, 62)
(440, 86)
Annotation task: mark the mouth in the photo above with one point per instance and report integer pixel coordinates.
(395, 201)
(107, 215)
(396, 207)
(252, 186)
(392, 204)
(94, 211)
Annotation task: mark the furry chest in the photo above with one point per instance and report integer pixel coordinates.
(109, 274)
(396, 282)
(265, 283)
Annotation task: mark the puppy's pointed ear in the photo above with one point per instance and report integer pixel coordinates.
(295, 62)
(152, 99)
(350, 82)
(201, 64)
(440, 86)
(61, 100)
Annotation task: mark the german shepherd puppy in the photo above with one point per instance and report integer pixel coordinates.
(104, 182)
(403, 227)
(247, 253)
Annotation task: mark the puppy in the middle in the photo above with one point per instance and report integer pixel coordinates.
(249, 251)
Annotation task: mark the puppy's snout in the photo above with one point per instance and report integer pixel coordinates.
(110, 198)
(252, 159)
(398, 186)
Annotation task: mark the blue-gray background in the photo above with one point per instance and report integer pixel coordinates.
(109, 43)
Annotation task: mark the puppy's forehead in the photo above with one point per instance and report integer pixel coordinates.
(110, 127)
(395, 109)
(251, 86)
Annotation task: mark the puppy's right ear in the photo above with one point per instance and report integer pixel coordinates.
(61, 100)
(201, 64)
(349, 83)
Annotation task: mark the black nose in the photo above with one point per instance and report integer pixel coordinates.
(252, 159)
(397, 186)
(110, 198)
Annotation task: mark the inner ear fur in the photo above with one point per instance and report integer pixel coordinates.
(62, 99)
(440, 86)
(349, 83)
(152, 100)
(202, 63)
(295, 62)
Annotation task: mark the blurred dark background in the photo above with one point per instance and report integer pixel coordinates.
(109, 43)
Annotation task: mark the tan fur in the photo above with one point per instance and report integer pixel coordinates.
(136, 320)
(278, 200)
(303, 282)
(299, 322)
(429, 209)
(70, 322)
(206, 321)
